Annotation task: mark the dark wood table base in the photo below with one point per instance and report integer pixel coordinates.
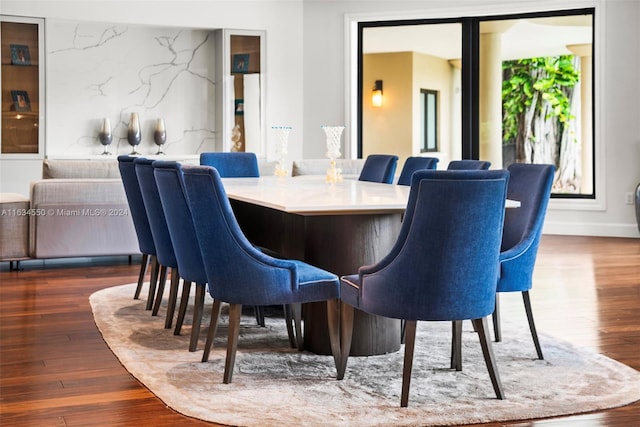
(371, 334)
(337, 243)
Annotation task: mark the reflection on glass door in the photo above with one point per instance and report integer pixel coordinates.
(536, 96)
(522, 91)
(415, 64)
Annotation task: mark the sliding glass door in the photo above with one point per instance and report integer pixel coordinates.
(516, 88)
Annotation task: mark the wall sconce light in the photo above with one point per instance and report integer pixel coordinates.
(376, 96)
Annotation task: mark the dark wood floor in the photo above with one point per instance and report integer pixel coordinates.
(57, 371)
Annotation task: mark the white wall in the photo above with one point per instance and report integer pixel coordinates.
(307, 74)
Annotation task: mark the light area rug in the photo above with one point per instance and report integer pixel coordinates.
(276, 385)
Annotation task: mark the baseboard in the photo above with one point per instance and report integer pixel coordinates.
(591, 229)
(38, 264)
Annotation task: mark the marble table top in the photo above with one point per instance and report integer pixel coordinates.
(311, 195)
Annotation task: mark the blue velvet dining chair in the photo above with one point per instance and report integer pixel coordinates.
(232, 165)
(161, 238)
(413, 164)
(239, 274)
(379, 168)
(424, 279)
(168, 175)
(185, 243)
(141, 225)
(459, 165)
(530, 184)
(237, 165)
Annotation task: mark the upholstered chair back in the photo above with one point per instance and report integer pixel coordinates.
(157, 221)
(136, 204)
(468, 165)
(379, 168)
(232, 165)
(530, 184)
(413, 164)
(444, 265)
(168, 175)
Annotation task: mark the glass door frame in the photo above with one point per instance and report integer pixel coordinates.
(470, 21)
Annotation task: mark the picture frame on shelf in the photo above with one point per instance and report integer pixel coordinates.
(21, 100)
(20, 54)
(240, 63)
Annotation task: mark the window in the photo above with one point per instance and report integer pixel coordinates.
(506, 88)
(429, 114)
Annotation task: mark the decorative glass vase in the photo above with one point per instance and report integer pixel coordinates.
(104, 135)
(333, 134)
(160, 135)
(281, 149)
(134, 135)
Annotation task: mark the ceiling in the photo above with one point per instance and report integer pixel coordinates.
(521, 38)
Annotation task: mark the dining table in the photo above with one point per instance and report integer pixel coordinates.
(335, 226)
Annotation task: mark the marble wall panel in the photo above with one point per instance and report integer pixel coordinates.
(97, 70)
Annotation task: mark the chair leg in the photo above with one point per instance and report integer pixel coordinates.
(333, 321)
(409, 347)
(162, 281)
(14, 266)
(213, 326)
(456, 345)
(346, 335)
(297, 323)
(487, 351)
(259, 311)
(143, 272)
(532, 325)
(401, 331)
(288, 318)
(153, 281)
(198, 309)
(497, 331)
(235, 311)
(182, 310)
(173, 298)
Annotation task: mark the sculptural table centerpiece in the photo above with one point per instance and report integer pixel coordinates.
(281, 149)
(333, 134)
